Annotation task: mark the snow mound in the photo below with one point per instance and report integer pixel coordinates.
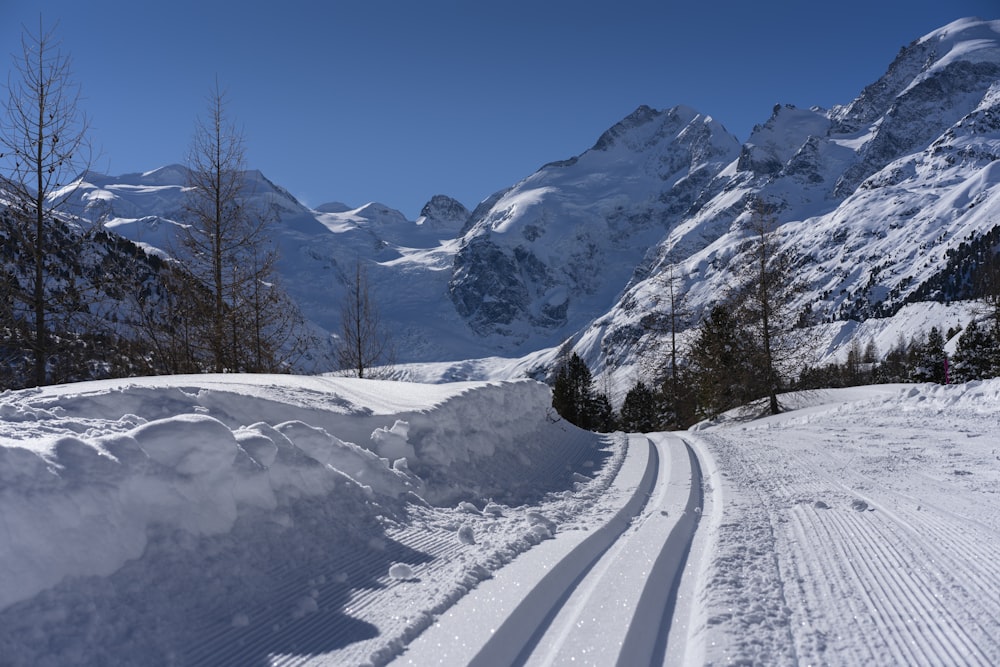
(88, 471)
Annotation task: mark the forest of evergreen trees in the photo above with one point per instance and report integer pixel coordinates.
(719, 375)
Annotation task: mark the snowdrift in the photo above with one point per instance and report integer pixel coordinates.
(88, 472)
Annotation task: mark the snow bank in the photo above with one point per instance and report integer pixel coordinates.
(86, 470)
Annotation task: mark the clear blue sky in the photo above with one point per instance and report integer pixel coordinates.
(372, 100)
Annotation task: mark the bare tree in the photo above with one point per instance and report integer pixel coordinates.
(44, 148)
(364, 343)
(226, 248)
(765, 301)
(677, 397)
(675, 300)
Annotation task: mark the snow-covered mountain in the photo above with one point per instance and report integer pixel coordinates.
(877, 197)
(552, 252)
(880, 197)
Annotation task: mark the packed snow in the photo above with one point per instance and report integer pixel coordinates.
(230, 519)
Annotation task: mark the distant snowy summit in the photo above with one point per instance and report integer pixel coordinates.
(553, 251)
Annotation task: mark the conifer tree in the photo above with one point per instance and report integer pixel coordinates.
(571, 390)
(640, 410)
(930, 361)
(724, 373)
(974, 355)
(577, 401)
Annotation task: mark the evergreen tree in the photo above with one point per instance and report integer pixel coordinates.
(600, 416)
(640, 410)
(896, 367)
(576, 400)
(929, 364)
(974, 355)
(571, 390)
(724, 374)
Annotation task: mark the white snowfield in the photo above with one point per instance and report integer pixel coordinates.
(280, 520)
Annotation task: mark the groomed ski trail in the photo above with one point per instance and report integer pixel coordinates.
(542, 608)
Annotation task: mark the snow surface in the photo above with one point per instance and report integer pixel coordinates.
(235, 520)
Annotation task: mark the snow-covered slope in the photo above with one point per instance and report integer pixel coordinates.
(552, 252)
(407, 262)
(876, 197)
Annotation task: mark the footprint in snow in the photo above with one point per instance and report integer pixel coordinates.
(861, 506)
(820, 505)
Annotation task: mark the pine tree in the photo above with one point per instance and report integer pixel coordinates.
(930, 361)
(724, 373)
(577, 401)
(571, 391)
(600, 416)
(640, 410)
(974, 354)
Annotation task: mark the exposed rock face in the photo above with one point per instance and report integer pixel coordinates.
(444, 214)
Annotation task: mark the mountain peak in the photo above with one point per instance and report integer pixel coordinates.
(443, 213)
(642, 119)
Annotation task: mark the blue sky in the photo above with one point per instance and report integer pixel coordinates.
(372, 100)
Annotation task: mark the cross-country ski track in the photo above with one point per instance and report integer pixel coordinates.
(604, 597)
(829, 535)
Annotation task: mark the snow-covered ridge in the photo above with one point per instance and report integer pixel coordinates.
(553, 251)
(876, 197)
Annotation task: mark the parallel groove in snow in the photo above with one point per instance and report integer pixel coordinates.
(619, 610)
(508, 640)
(912, 577)
(490, 604)
(878, 558)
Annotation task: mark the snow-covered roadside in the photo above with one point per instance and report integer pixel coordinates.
(232, 519)
(860, 529)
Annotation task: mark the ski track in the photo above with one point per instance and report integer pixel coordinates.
(624, 575)
(905, 581)
(619, 610)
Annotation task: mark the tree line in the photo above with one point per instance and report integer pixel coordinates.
(78, 302)
(752, 346)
